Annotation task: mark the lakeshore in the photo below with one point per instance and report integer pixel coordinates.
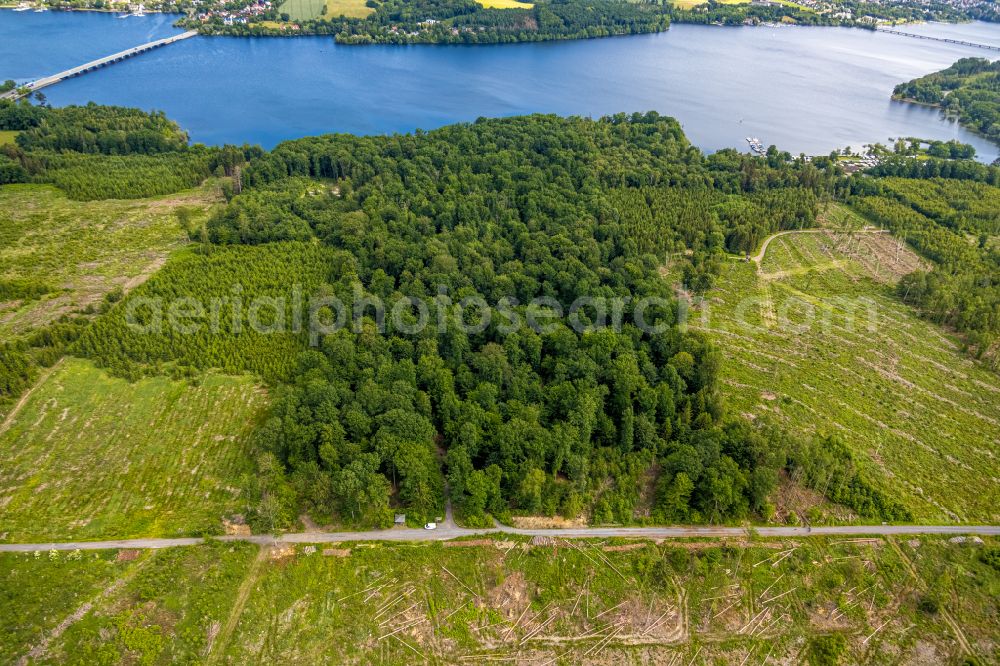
(828, 88)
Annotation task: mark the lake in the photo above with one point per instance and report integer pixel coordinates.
(805, 90)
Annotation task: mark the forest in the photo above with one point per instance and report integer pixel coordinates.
(560, 420)
(105, 152)
(612, 414)
(90, 152)
(468, 22)
(969, 89)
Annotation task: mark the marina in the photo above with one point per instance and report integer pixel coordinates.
(756, 145)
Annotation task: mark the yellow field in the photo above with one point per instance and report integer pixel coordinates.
(348, 8)
(689, 4)
(505, 4)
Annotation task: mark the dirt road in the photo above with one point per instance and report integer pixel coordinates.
(767, 241)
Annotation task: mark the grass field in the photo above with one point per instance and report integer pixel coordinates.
(607, 603)
(348, 8)
(38, 593)
(89, 456)
(923, 419)
(305, 10)
(82, 250)
(922, 600)
(7, 136)
(302, 10)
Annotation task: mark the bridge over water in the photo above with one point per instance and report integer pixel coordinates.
(991, 47)
(29, 88)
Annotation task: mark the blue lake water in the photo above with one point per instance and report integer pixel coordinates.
(803, 89)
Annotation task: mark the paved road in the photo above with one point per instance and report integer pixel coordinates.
(444, 533)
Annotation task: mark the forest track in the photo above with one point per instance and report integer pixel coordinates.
(759, 257)
(221, 642)
(39, 380)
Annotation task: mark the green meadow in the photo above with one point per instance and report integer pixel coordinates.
(306, 10)
(89, 456)
(77, 252)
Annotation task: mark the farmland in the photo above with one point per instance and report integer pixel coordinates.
(305, 10)
(817, 341)
(348, 8)
(920, 600)
(302, 10)
(90, 456)
(80, 251)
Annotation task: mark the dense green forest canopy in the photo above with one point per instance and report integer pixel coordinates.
(106, 152)
(109, 130)
(563, 419)
(970, 89)
(468, 22)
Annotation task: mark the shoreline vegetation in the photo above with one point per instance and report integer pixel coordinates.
(361, 22)
(969, 91)
(469, 22)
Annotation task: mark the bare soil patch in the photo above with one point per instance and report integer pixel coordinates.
(547, 522)
(336, 552)
(468, 544)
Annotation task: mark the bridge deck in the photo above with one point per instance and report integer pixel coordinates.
(97, 64)
(939, 39)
